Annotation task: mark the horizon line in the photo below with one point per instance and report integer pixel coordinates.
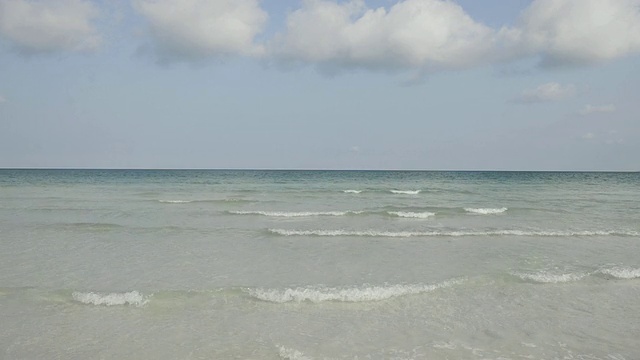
(310, 169)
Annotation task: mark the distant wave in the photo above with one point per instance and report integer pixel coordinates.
(486, 211)
(129, 298)
(409, 214)
(230, 200)
(295, 214)
(377, 233)
(548, 277)
(406, 192)
(91, 226)
(348, 294)
(352, 191)
(620, 272)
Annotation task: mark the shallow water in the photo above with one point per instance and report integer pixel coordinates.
(191, 264)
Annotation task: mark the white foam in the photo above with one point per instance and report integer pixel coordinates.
(406, 192)
(343, 233)
(353, 294)
(129, 298)
(486, 211)
(291, 354)
(376, 233)
(295, 214)
(620, 272)
(352, 191)
(175, 201)
(547, 277)
(408, 214)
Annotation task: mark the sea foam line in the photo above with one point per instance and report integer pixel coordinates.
(349, 294)
(175, 201)
(486, 211)
(128, 298)
(409, 214)
(295, 214)
(376, 233)
(406, 192)
(548, 277)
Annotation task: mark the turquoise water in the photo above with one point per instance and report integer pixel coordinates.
(213, 264)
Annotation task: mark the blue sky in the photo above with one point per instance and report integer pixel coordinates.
(320, 84)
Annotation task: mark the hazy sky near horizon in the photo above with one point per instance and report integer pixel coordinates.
(321, 84)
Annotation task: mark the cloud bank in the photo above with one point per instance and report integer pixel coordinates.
(424, 35)
(439, 35)
(36, 27)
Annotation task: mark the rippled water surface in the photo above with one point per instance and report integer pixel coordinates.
(197, 264)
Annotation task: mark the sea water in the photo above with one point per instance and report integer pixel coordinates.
(212, 264)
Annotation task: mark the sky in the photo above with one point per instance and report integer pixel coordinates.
(321, 84)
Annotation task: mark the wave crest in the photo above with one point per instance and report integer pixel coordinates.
(295, 214)
(354, 294)
(409, 214)
(129, 298)
(486, 211)
(352, 191)
(406, 192)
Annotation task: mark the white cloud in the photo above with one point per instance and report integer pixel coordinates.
(34, 27)
(589, 136)
(424, 34)
(199, 29)
(552, 91)
(590, 109)
(569, 32)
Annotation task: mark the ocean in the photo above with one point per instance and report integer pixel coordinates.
(230, 264)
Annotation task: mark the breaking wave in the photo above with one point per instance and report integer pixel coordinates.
(486, 211)
(620, 272)
(113, 299)
(376, 233)
(175, 201)
(409, 214)
(406, 192)
(348, 294)
(616, 272)
(295, 214)
(352, 191)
